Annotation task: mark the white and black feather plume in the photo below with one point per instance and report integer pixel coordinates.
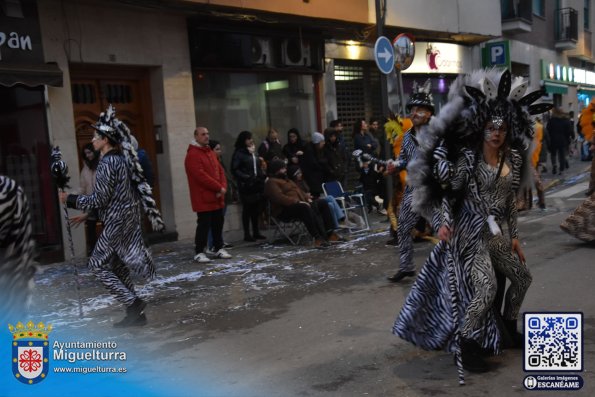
(119, 132)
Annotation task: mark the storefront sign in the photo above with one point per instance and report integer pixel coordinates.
(20, 37)
(440, 58)
(566, 74)
(15, 41)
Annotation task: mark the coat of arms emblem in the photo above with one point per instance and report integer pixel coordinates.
(30, 351)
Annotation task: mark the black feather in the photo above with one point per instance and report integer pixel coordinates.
(505, 84)
(531, 97)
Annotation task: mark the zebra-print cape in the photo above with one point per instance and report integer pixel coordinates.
(428, 318)
(16, 250)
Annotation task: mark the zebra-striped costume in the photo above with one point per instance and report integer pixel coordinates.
(16, 250)
(120, 246)
(426, 318)
(407, 218)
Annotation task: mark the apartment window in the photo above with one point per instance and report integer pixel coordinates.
(539, 7)
(587, 15)
(11, 8)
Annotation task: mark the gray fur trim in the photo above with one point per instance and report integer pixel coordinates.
(472, 100)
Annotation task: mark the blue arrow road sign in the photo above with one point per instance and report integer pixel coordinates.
(384, 54)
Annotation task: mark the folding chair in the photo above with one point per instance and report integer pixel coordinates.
(294, 231)
(349, 202)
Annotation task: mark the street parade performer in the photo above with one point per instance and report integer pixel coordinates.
(16, 250)
(421, 109)
(395, 129)
(471, 161)
(119, 190)
(581, 223)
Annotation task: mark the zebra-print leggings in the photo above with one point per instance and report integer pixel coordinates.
(407, 221)
(501, 258)
(507, 263)
(115, 276)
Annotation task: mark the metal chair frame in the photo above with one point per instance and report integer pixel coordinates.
(348, 202)
(294, 231)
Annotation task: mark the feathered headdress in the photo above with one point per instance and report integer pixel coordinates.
(473, 100)
(393, 128)
(117, 132)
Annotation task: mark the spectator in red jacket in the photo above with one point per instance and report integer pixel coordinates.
(207, 183)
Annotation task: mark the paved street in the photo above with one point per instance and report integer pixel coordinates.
(278, 320)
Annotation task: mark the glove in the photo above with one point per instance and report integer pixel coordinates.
(494, 228)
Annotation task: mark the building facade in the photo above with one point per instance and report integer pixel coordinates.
(550, 42)
(168, 66)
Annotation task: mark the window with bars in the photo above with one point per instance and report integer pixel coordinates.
(83, 93)
(358, 96)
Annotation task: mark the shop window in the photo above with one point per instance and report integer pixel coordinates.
(228, 103)
(25, 157)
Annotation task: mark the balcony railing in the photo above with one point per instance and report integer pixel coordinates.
(566, 28)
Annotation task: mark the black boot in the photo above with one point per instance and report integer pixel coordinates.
(471, 356)
(398, 276)
(135, 315)
(518, 339)
(506, 338)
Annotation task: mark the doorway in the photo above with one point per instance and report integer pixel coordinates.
(94, 88)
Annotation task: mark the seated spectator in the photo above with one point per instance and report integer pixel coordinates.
(295, 174)
(289, 203)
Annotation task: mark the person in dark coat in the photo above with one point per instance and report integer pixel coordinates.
(560, 131)
(334, 155)
(245, 167)
(294, 148)
(362, 139)
(271, 148)
(315, 165)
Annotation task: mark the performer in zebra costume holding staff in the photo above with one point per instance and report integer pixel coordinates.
(16, 250)
(120, 187)
(466, 176)
(421, 108)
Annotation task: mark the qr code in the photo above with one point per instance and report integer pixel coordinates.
(553, 342)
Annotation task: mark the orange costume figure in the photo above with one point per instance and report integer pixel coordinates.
(395, 130)
(525, 196)
(587, 123)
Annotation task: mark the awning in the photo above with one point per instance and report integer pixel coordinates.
(587, 90)
(555, 88)
(31, 75)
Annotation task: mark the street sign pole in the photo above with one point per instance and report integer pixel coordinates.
(388, 150)
(380, 18)
(401, 92)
